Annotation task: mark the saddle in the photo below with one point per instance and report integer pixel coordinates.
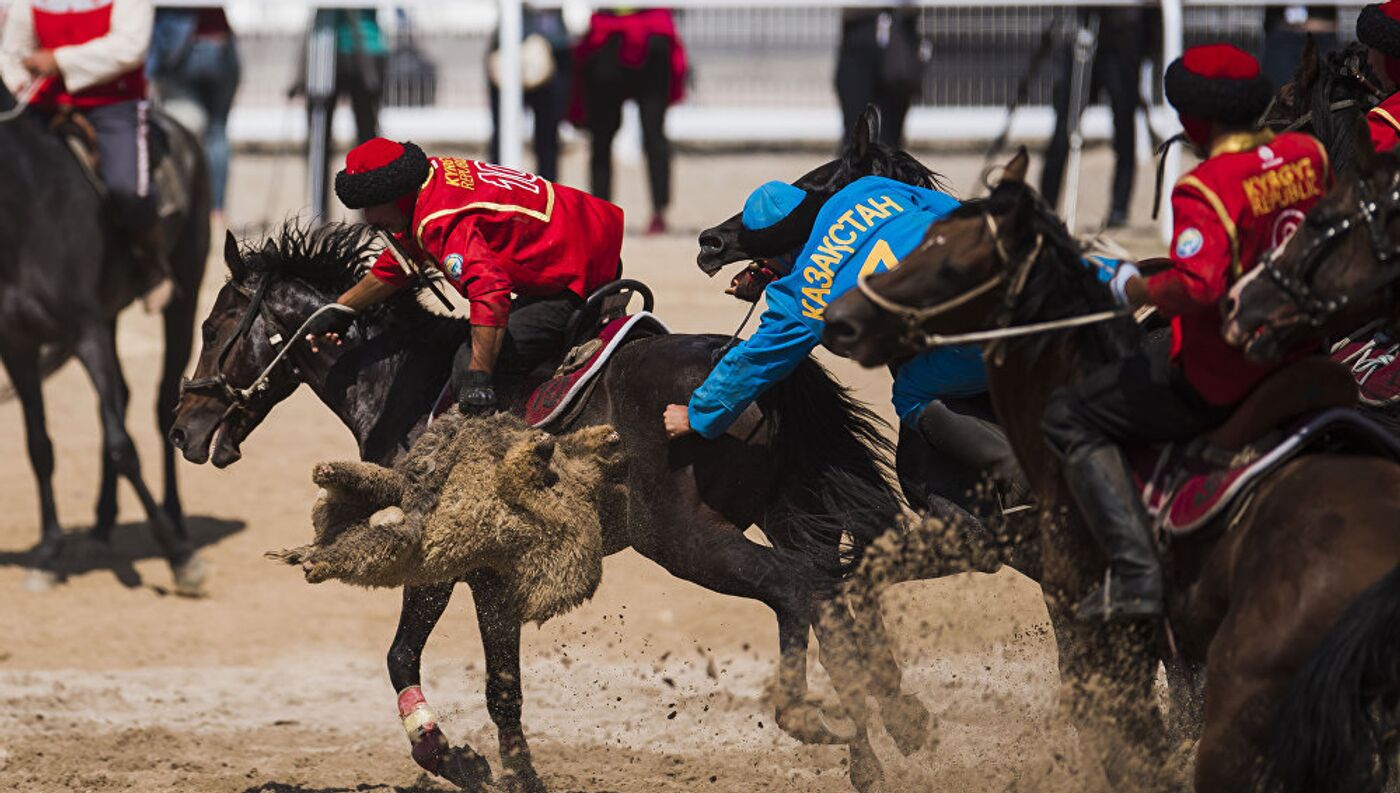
(80, 138)
(1186, 486)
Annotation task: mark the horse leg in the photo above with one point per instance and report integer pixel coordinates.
(106, 512)
(22, 366)
(179, 341)
(500, 638)
(97, 350)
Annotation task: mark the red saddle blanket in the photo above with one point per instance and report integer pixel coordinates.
(1183, 493)
(1374, 360)
(583, 364)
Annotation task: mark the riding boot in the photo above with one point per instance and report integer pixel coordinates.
(148, 248)
(1103, 487)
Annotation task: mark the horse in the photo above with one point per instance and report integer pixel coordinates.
(1326, 98)
(818, 474)
(1293, 591)
(65, 274)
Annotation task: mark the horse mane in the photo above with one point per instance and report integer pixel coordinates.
(884, 160)
(330, 257)
(1058, 285)
(1335, 82)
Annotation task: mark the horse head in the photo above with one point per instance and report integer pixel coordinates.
(972, 249)
(862, 155)
(1338, 270)
(1327, 95)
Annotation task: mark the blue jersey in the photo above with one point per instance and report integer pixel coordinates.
(868, 227)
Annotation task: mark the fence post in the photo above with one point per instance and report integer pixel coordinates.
(1173, 44)
(509, 128)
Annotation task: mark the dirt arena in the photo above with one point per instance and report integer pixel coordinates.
(273, 685)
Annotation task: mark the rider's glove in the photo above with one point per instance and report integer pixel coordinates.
(1119, 285)
(331, 320)
(749, 284)
(475, 393)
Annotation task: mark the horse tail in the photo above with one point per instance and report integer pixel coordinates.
(1336, 729)
(836, 492)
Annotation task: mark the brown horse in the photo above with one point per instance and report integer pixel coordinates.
(1297, 590)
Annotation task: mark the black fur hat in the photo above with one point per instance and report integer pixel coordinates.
(1218, 82)
(380, 171)
(1378, 27)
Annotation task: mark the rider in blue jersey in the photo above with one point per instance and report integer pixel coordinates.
(868, 226)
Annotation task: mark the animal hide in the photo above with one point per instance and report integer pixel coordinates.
(472, 493)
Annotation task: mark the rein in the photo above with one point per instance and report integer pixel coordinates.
(218, 385)
(914, 317)
(25, 97)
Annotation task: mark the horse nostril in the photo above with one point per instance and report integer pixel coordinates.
(711, 243)
(177, 438)
(841, 331)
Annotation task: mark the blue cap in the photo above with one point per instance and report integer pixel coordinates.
(770, 203)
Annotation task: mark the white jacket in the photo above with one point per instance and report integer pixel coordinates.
(84, 65)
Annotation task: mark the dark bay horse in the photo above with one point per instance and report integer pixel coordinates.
(1298, 594)
(64, 276)
(1327, 97)
(818, 476)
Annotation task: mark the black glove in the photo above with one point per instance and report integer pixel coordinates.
(335, 320)
(475, 394)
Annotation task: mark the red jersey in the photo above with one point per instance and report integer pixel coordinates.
(68, 23)
(1384, 120)
(1245, 200)
(494, 230)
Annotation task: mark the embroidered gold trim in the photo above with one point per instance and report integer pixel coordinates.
(494, 207)
(1225, 220)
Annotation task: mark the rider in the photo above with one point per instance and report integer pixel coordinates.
(92, 56)
(492, 231)
(868, 226)
(1244, 200)
(1378, 27)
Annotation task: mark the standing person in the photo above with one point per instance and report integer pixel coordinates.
(548, 99)
(1123, 39)
(90, 58)
(194, 64)
(877, 63)
(630, 55)
(1286, 32)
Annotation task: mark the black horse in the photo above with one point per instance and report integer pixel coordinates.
(1327, 97)
(817, 475)
(64, 276)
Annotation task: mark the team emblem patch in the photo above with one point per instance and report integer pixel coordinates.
(453, 265)
(1189, 243)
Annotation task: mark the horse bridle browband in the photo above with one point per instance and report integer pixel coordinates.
(1371, 212)
(218, 386)
(913, 318)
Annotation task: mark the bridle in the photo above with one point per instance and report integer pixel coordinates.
(913, 318)
(217, 386)
(1372, 213)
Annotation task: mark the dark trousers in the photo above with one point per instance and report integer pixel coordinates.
(124, 161)
(1140, 399)
(1114, 72)
(607, 85)
(955, 447)
(547, 104)
(534, 336)
(860, 81)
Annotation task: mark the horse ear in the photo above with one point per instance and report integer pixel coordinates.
(1015, 170)
(865, 133)
(233, 258)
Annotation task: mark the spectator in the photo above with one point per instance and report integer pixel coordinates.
(194, 64)
(630, 55)
(359, 66)
(547, 100)
(878, 63)
(1286, 31)
(1123, 38)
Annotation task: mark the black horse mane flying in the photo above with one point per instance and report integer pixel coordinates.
(330, 257)
(892, 163)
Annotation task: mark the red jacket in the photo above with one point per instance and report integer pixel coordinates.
(494, 231)
(67, 23)
(1384, 120)
(1245, 200)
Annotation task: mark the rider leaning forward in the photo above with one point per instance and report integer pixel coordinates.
(1378, 27)
(1244, 200)
(91, 58)
(492, 231)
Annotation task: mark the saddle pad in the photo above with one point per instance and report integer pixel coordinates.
(552, 399)
(1184, 495)
(1375, 363)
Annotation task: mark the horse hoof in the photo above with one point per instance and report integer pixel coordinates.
(907, 721)
(40, 580)
(190, 577)
(466, 769)
(867, 775)
(517, 782)
(810, 724)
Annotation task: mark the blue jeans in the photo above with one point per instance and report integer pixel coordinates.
(208, 77)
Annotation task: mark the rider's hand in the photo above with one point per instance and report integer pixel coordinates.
(328, 328)
(1127, 271)
(476, 395)
(749, 283)
(41, 63)
(677, 420)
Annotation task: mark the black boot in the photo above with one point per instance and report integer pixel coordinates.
(148, 248)
(1102, 485)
